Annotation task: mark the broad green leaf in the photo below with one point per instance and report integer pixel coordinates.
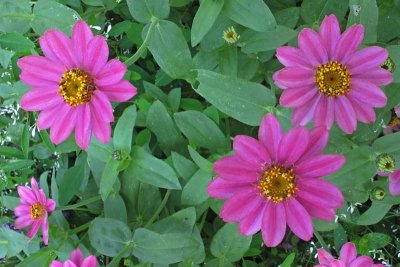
(163, 248)
(151, 170)
(288, 260)
(394, 54)
(183, 166)
(195, 191)
(201, 162)
(15, 16)
(214, 38)
(5, 57)
(180, 222)
(124, 129)
(372, 241)
(245, 101)
(387, 144)
(228, 61)
(340, 236)
(155, 92)
(374, 214)
(11, 242)
(69, 183)
(108, 178)
(253, 14)
(11, 152)
(388, 22)
(16, 42)
(324, 226)
(364, 12)
(314, 11)
(144, 10)
(42, 258)
(170, 50)
(229, 243)
(264, 41)
(114, 208)
(53, 15)
(179, 3)
(16, 165)
(200, 129)
(288, 17)
(204, 19)
(109, 236)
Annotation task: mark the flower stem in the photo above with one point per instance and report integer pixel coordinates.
(321, 240)
(79, 228)
(158, 211)
(80, 204)
(143, 47)
(115, 261)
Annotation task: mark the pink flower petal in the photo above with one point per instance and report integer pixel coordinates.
(345, 115)
(324, 257)
(273, 225)
(338, 263)
(312, 46)
(34, 184)
(41, 68)
(35, 81)
(22, 210)
(299, 220)
(111, 73)
(23, 221)
(330, 33)
(297, 97)
(251, 224)
(394, 183)
(46, 117)
(250, 150)
(321, 192)
(34, 228)
(303, 115)
(325, 112)
(319, 137)
(81, 36)
(69, 263)
(223, 189)
(366, 59)
(96, 55)
(367, 93)
(377, 76)
(233, 168)
(63, 125)
(349, 42)
(348, 252)
(89, 262)
(40, 98)
(56, 264)
(316, 209)
(292, 57)
(294, 77)
(83, 131)
(102, 106)
(60, 47)
(292, 145)
(27, 196)
(240, 205)
(362, 261)
(50, 205)
(270, 134)
(45, 230)
(77, 257)
(101, 128)
(319, 166)
(364, 112)
(120, 92)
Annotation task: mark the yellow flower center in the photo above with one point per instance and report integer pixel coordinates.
(277, 183)
(394, 122)
(37, 211)
(333, 79)
(76, 87)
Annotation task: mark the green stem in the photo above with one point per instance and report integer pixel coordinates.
(203, 220)
(80, 204)
(118, 258)
(143, 47)
(158, 211)
(321, 240)
(79, 228)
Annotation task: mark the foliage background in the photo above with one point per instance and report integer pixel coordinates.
(141, 199)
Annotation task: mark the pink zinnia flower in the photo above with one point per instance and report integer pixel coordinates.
(77, 260)
(33, 210)
(327, 79)
(275, 181)
(348, 258)
(394, 183)
(73, 85)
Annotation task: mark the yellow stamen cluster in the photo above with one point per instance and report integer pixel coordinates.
(231, 36)
(394, 122)
(37, 211)
(333, 79)
(76, 87)
(277, 183)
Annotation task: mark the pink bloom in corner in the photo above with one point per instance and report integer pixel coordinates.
(394, 183)
(348, 258)
(327, 79)
(77, 260)
(33, 210)
(276, 181)
(73, 84)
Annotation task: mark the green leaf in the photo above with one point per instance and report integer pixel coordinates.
(180, 222)
(170, 50)
(5, 57)
(314, 11)
(109, 236)
(123, 131)
(144, 10)
(374, 214)
(324, 226)
(288, 260)
(200, 129)
(25, 140)
(340, 236)
(204, 19)
(389, 22)
(228, 60)
(245, 101)
(11, 152)
(69, 183)
(367, 15)
(387, 144)
(16, 42)
(229, 243)
(114, 208)
(253, 14)
(264, 41)
(151, 170)
(195, 191)
(183, 166)
(372, 241)
(42, 258)
(163, 248)
(11, 242)
(16, 165)
(288, 17)
(108, 178)
(53, 15)
(155, 92)
(15, 16)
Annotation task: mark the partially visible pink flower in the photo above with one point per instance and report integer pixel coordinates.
(276, 181)
(77, 260)
(327, 79)
(348, 258)
(394, 124)
(73, 84)
(394, 183)
(33, 210)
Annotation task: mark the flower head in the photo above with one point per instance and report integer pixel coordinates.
(73, 84)
(77, 260)
(385, 163)
(33, 210)
(326, 79)
(348, 258)
(275, 181)
(394, 183)
(231, 36)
